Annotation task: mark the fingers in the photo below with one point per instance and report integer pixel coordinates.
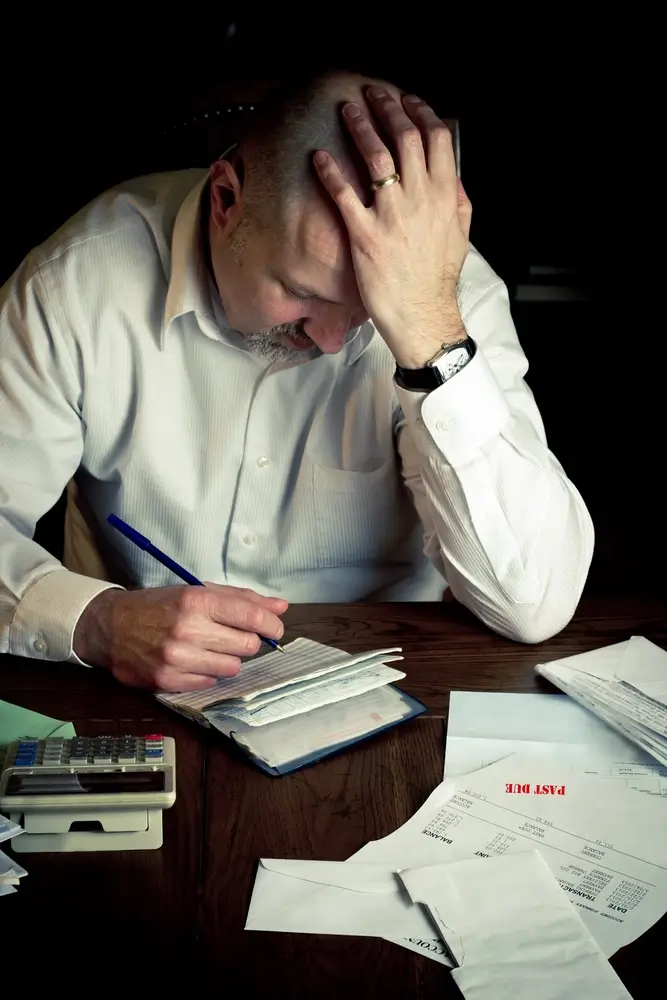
(437, 138)
(232, 606)
(405, 134)
(351, 208)
(184, 657)
(376, 155)
(198, 630)
(276, 604)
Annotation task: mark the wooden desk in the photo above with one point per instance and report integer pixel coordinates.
(176, 916)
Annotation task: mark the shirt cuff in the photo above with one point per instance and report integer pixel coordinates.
(44, 621)
(461, 415)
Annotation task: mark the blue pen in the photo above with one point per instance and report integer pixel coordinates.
(144, 543)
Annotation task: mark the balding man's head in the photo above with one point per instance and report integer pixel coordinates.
(277, 155)
(279, 249)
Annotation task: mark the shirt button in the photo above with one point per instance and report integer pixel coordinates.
(262, 461)
(445, 425)
(249, 539)
(39, 645)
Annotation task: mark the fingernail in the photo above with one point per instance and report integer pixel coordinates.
(377, 91)
(412, 99)
(352, 111)
(320, 158)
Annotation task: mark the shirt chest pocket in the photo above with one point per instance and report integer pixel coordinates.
(360, 516)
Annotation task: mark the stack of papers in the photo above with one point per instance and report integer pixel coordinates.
(607, 853)
(10, 871)
(286, 709)
(485, 726)
(625, 685)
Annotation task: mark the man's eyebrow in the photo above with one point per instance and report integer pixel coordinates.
(306, 292)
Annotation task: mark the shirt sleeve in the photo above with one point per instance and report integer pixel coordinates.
(502, 522)
(41, 444)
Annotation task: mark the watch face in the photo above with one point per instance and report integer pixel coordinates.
(453, 362)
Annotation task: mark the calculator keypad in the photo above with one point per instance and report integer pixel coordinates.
(56, 751)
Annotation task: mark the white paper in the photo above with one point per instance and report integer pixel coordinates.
(484, 727)
(338, 689)
(8, 828)
(625, 685)
(638, 717)
(609, 853)
(10, 870)
(602, 662)
(512, 931)
(332, 897)
(299, 687)
(302, 659)
(644, 666)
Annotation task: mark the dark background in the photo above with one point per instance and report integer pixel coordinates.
(546, 160)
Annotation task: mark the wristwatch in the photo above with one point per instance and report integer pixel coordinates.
(449, 360)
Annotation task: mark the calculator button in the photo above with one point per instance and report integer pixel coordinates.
(78, 759)
(153, 736)
(154, 754)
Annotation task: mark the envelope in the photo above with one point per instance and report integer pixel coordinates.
(643, 665)
(602, 663)
(334, 897)
(637, 662)
(512, 930)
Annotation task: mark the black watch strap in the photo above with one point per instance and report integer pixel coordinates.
(449, 360)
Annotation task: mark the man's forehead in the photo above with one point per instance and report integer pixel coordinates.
(316, 251)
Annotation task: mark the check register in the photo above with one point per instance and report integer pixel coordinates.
(102, 793)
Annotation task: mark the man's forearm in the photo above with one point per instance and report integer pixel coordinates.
(507, 528)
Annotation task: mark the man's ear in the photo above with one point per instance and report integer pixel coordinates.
(227, 194)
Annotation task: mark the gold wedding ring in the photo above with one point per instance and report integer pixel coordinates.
(385, 182)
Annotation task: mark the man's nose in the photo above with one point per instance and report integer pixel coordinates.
(328, 334)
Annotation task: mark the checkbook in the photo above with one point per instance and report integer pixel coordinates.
(288, 710)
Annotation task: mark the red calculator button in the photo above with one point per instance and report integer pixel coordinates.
(153, 736)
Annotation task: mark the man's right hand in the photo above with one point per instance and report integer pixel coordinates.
(175, 638)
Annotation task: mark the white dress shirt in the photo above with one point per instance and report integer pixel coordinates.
(314, 481)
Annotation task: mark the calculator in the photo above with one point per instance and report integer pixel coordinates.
(89, 787)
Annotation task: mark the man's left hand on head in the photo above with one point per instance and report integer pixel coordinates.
(410, 245)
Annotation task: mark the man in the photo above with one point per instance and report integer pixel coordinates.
(295, 376)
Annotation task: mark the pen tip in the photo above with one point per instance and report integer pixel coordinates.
(278, 646)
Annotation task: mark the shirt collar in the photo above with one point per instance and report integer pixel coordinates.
(189, 288)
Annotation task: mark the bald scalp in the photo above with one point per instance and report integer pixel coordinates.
(278, 153)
